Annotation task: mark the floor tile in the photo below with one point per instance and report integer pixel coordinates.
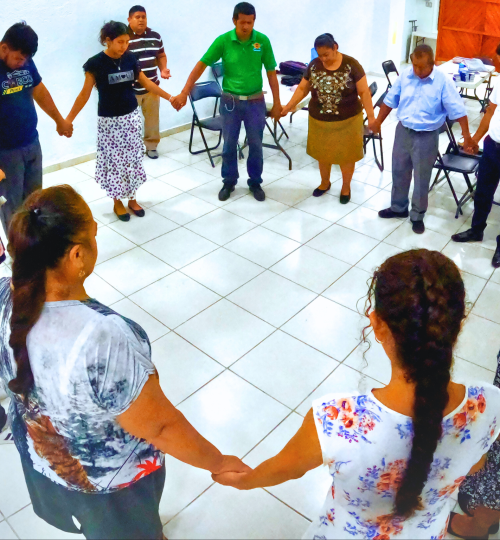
(6, 533)
(256, 211)
(217, 410)
(207, 167)
(132, 271)
(90, 190)
(153, 328)
(183, 208)
(370, 360)
(287, 192)
(377, 256)
(404, 238)
(183, 155)
(478, 342)
(17, 496)
(182, 368)
(174, 299)
(88, 167)
(285, 368)
(311, 268)
(328, 327)
(209, 192)
(359, 192)
(70, 175)
(102, 210)
(111, 244)
(495, 277)
(442, 221)
(167, 144)
(297, 225)
(343, 379)
(155, 191)
(373, 176)
(272, 298)
(220, 226)
(467, 373)
(26, 522)
(310, 177)
(367, 221)
(263, 246)
(222, 271)
(473, 286)
(350, 290)
(490, 235)
(328, 208)
(471, 258)
(307, 494)
(97, 288)
(162, 165)
(141, 230)
(344, 244)
(180, 247)
(222, 513)
(488, 303)
(379, 201)
(225, 332)
(187, 178)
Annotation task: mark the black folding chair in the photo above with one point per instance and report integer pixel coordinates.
(368, 135)
(389, 67)
(457, 161)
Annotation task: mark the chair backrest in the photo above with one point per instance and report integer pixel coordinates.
(373, 88)
(217, 71)
(380, 100)
(205, 90)
(389, 67)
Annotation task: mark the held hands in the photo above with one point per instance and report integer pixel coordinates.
(238, 480)
(64, 127)
(471, 146)
(285, 110)
(374, 125)
(179, 101)
(275, 112)
(231, 465)
(165, 73)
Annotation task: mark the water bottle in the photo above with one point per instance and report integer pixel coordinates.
(462, 70)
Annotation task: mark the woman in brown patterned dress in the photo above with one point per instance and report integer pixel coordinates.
(339, 92)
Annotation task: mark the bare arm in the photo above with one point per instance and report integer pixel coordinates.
(485, 124)
(152, 417)
(162, 65)
(44, 100)
(275, 89)
(82, 97)
(300, 455)
(300, 93)
(366, 98)
(152, 87)
(179, 101)
(464, 124)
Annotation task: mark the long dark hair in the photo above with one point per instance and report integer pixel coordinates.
(40, 234)
(112, 30)
(420, 295)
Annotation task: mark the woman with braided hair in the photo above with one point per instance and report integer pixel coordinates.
(89, 418)
(396, 454)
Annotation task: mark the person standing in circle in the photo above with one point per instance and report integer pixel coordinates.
(147, 46)
(339, 91)
(120, 148)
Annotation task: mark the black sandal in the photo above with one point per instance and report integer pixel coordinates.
(138, 213)
(318, 192)
(452, 532)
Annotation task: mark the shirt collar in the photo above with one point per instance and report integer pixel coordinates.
(134, 35)
(431, 76)
(234, 37)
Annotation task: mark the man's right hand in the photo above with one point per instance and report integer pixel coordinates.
(471, 146)
(2, 175)
(179, 101)
(374, 125)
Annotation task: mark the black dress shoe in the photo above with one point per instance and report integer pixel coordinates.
(468, 236)
(138, 213)
(318, 192)
(122, 217)
(258, 193)
(387, 213)
(344, 199)
(496, 258)
(418, 227)
(225, 192)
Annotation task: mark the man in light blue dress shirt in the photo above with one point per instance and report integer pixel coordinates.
(424, 98)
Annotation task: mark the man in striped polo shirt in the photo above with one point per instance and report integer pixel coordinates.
(148, 49)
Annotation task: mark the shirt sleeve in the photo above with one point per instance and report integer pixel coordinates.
(37, 79)
(90, 66)
(135, 65)
(118, 363)
(394, 95)
(452, 101)
(324, 420)
(357, 71)
(494, 94)
(214, 52)
(161, 49)
(268, 57)
(307, 73)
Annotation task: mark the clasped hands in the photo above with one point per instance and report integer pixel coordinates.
(64, 127)
(233, 472)
(470, 145)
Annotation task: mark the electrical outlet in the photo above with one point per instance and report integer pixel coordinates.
(428, 3)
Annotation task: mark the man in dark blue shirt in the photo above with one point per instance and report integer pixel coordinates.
(20, 86)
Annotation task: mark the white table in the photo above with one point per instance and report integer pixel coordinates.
(419, 34)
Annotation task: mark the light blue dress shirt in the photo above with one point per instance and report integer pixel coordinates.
(424, 104)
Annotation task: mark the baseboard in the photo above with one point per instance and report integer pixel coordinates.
(87, 157)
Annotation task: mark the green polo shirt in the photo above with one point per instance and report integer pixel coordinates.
(242, 61)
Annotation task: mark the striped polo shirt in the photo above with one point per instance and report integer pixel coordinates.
(146, 48)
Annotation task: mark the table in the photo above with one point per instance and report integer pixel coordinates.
(451, 69)
(422, 34)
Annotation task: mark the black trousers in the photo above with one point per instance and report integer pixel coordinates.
(487, 182)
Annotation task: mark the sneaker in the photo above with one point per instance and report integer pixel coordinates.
(153, 154)
(418, 227)
(388, 213)
(468, 236)
(258, 193)
(225, 192)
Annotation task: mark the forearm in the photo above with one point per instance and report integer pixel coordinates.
(79, 104)
(271, 473)
(275, 87)
(464, 124)
(483, 126)
(366, 100)
(298, 96)
(384, 112)
(162, 61)
(193, 77)
(44, 100)
(154, 88)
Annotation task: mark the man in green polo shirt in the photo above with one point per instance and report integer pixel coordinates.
(243, 51)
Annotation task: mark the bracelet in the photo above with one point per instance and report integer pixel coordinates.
(170, 98)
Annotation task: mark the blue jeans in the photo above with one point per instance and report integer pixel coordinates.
(253, 114)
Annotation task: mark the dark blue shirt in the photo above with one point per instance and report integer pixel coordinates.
(18, 118)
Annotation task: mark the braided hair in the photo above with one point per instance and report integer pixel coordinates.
(420, 295)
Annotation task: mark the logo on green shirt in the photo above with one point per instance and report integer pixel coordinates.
(257, 47)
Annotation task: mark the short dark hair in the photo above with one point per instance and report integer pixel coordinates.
(112, 30)
(135, 9)
(325, 40)
(21, 37)
(245, 9)
(424, 50)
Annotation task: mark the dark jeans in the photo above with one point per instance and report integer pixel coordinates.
(487, 182)
(253, 115)
(23, 172)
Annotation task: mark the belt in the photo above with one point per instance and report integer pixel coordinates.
(244, 98)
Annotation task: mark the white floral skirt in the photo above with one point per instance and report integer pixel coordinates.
(120, 151)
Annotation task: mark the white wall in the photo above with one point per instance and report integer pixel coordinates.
(427, 20)
(68, 31)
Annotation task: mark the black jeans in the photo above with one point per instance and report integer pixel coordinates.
(487, 182)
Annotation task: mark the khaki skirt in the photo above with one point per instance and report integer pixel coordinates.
(337, 143)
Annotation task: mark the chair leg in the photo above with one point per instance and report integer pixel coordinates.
(379, 165)
(207, 148)
(191, 137)
(283, 129)
(381, 152)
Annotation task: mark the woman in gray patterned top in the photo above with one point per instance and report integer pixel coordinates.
(89, 418)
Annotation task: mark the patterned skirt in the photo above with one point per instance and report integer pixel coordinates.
(120, 151)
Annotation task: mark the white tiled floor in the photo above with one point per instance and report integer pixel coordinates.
(254, 310)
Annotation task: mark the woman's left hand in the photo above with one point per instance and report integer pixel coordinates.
(233, 479)
(373, 125)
